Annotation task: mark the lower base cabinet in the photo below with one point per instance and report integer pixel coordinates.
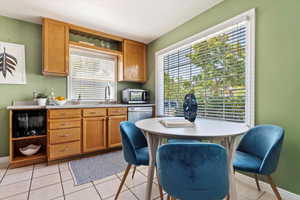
(94, 134)
(76, 131)
(58, 151)
(114, 136)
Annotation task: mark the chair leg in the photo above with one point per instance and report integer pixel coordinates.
(159, 187)
(168, 197)
(133, 173)
(274, 187)
(123, 180)
(227, 197)
(257, 182)
(161, 192)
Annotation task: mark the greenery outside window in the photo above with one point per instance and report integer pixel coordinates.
(217, 67)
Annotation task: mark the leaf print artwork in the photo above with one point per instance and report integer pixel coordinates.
(8, 63)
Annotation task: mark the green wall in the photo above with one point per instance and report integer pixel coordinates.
(30, 35)
(277, 69)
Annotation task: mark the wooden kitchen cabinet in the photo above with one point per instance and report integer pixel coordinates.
(70, 132)
(114, 136)
(64, 150)
(134, 62)
(94, 134)
(55, 48)
(64, 133)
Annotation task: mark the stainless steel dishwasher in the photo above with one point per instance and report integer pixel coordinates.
(139, 113)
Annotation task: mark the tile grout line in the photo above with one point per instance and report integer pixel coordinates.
(61, 182)
(4, 174)
(39, 177)
(261, 195)
(129, 189)
(33, 166)
(13, 183)
(80, 189)
(96, 190)
(117, 176)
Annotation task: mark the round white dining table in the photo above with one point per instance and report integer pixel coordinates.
(204, 129)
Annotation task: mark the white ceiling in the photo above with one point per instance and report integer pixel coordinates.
(141, 20)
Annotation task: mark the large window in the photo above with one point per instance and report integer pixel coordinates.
(90, 73)
(217, 67)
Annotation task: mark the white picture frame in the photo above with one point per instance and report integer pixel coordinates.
(12, 63)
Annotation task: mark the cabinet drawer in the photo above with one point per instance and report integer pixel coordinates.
(64, 135)
(117, 111)
(64, 113)
(64, 150)
(64, 123)
(94, 112)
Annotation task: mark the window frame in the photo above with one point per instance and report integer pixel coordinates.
(250, 60)
(92, 51)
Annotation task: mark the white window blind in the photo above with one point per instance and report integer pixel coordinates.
(215, 68)
(90, 73)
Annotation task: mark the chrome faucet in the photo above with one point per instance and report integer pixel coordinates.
(107, 92)
(78, 99)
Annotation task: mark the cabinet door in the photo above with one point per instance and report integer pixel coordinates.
(114, 136)
(134, 68)
(55, 48)
(94, 134)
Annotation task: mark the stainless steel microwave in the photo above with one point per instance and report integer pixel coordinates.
(132, 96)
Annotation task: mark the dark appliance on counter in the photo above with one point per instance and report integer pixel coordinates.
(132, 96)
(29, 123)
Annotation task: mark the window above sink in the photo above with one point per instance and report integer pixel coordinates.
(92, 76)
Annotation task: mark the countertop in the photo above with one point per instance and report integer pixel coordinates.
(84, 105)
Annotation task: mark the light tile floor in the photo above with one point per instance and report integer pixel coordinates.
(54, 182)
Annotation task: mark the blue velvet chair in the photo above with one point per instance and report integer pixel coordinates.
(258, 153)
(135, 150)
(193, 171)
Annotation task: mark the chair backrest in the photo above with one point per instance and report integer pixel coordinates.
(264, 141)
(192, 171)
(132, 139)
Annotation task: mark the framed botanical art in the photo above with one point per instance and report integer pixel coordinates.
(12, 63)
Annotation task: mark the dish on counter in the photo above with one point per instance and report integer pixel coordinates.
(30, 149)
(60, 101)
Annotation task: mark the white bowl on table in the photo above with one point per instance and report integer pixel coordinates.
(60, 102)
(30, 149)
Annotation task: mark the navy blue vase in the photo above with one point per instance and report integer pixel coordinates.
(190, 107)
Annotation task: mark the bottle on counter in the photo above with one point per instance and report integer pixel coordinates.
(52, 97)
(34, 96)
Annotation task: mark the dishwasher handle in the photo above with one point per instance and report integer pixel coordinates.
(140, 109)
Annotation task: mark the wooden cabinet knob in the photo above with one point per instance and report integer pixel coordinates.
(65, 135)
(63, 150)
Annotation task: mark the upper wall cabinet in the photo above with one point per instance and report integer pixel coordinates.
(134, 62)
(59, 36)
(55, 48)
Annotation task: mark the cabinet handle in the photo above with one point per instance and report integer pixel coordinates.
(63, 150)
(63, 124)
(93, 113)
(64, 135)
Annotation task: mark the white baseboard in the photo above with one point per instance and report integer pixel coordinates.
(286, 195)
